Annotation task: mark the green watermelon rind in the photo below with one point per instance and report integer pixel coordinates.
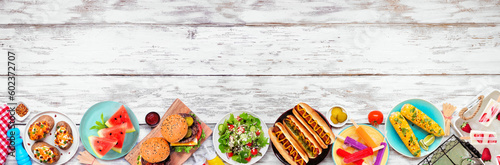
(116, 149)
(129, 129)
(91, 142)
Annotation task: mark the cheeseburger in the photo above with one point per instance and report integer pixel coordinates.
(183, 131)
(154, 151)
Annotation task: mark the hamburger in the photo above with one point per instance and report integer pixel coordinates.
(154, 151)
(183, 131)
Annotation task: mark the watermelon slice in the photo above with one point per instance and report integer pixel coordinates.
(117, 133)
(100, 145)
(120, 117)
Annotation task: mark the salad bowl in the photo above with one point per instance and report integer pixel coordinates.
(240, 140)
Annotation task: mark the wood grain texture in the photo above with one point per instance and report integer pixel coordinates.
(258, 55)
(310, 50)
(247, 12)
(210, 97)
(175, 157)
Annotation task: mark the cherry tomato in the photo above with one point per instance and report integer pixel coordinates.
(241, 129)
(238, 118)
(375, 117)
(230, 154)
(258, 132)
(248, 159)
(254, 151)
(230, 126)
(249, 144)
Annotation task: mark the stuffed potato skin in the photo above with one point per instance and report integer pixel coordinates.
(41, 127)
(45, 153)
(64, 135)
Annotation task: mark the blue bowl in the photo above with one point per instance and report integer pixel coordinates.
(393, 137)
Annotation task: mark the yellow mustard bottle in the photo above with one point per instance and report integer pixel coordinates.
(212, 158)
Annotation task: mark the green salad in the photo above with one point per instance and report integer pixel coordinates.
(241, 137)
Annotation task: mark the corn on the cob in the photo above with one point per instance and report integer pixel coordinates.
(405, 133)
(420, 119)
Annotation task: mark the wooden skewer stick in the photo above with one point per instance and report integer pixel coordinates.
(378, 148)
(465, 137)
(354, 123)
(339, 137)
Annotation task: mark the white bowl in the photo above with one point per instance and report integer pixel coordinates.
(329, 114)
(19, 118)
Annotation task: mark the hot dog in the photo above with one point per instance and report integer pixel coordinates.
(314, 124)
(302, 136)
(287, 146)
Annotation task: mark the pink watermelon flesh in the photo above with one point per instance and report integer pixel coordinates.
(120, 117)
(117, 133)
(100, 145)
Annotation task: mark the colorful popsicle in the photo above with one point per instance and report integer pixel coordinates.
(361, 154)
(482, 137)
(380, 154)
(490, 112)
(364, 135)
(351, 142)
(343, 153)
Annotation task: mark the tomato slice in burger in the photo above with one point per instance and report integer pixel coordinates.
(198, 135)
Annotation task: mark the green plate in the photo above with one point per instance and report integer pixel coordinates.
(93, 114)
(393, 137)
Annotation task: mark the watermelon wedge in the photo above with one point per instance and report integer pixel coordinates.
(120, 117)
(117, 133)
(100, 145)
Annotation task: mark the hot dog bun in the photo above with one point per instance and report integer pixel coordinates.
(296, 129)
(310, 118)
(287, 146)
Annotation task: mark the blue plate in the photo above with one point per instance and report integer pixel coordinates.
(93, 114)
(393, 137)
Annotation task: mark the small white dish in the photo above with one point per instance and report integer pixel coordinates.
(329, 114)
(19, 118)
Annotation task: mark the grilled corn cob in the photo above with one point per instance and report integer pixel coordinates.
(405, 133)
(420, 119)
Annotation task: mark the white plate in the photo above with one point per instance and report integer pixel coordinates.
(216, 136)
(66, 155)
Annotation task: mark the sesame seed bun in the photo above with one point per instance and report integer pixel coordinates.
(174, 128)
(155, 150)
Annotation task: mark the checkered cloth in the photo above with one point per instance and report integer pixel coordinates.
(4, 127)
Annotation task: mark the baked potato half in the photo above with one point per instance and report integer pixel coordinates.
(41, 127)
(64, 135)
(45, 153)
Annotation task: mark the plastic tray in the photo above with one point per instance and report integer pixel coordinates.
(474, 124)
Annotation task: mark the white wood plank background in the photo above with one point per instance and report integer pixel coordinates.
(264, 56)
(213, 12)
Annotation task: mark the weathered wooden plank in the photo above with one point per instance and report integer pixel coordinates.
(269, 158)
(211, 97)
(307, 50)
(247, 12)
